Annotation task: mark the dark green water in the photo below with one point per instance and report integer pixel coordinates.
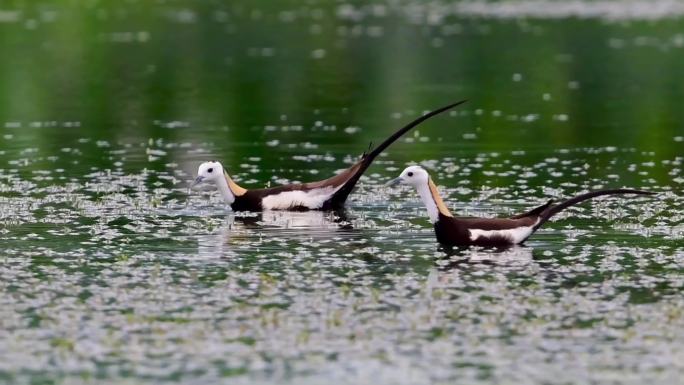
(111, 272)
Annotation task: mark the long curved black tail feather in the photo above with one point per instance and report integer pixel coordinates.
(338, 199)
(376, 151)
(552, 210)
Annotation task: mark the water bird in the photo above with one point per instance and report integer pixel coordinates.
(487, 232)
(328, 194)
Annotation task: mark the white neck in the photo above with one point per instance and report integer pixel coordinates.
(426, 197)
(223, 188)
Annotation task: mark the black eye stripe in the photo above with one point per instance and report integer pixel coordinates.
(410, 173)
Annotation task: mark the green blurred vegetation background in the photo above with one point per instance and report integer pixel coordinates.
(212, 71)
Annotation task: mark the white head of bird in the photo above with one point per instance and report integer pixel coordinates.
(417, 177)
(209, 172)
(212, 172)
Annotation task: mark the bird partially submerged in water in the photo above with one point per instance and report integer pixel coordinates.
(328, 194)
(489, 232)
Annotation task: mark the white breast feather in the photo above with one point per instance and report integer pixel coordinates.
(514, 235)
(312, 199)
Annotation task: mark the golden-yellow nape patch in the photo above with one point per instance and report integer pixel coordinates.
(438, 199)
(234, 187)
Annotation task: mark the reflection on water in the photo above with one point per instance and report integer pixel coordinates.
(486, 256)
(112, 273)
(218, 243)
(306, 221)
(241, 228)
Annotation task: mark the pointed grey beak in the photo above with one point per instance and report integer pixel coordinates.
(197, 181)
(393, 182)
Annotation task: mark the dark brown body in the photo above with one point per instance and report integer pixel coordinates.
(455, 231)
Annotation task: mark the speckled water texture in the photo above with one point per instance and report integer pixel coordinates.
(113, 272)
